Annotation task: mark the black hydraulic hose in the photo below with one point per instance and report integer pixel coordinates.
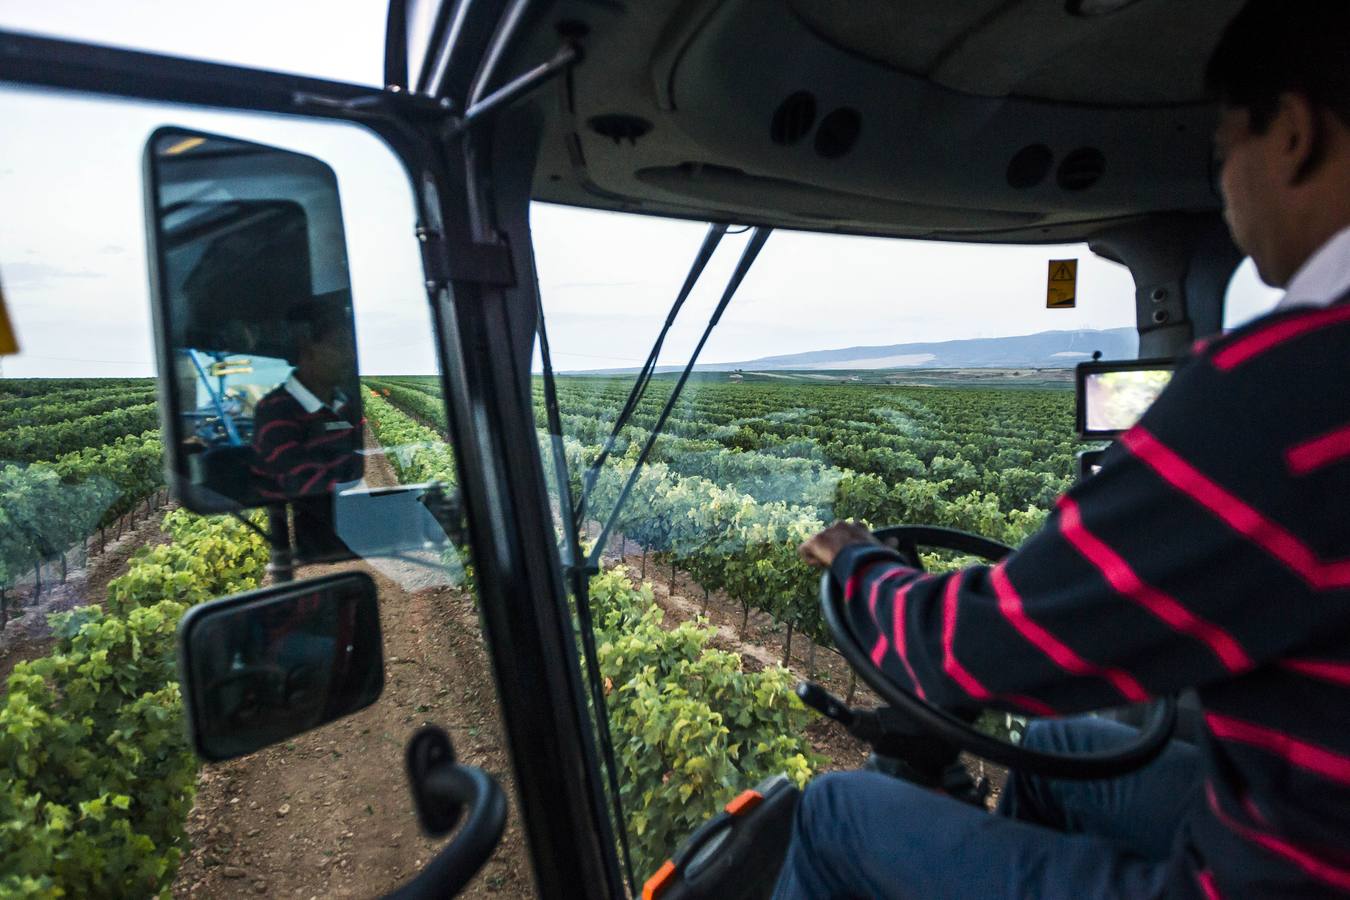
(579, 578)
(747, 260)
(710, 241)
(455, 866)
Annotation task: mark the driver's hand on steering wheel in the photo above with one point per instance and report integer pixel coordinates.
(824, 547)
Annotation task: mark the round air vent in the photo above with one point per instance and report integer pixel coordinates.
(1030, 165)
(1081, 169)
(620, 127)
(793, 119)
(838, 132)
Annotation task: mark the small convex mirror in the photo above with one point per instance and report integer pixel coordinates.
(263, 666)
(255, 336)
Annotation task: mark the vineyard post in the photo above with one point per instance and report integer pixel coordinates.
(852, 685)
(63, 567)
(672, 572)
(787, 644)
(4, 608)
(37, 579)
(280, 565)
(811, 660)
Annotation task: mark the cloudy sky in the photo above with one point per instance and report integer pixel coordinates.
(72, 247)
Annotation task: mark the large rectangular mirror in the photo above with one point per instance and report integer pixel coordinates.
(260, 667)
(256, 342)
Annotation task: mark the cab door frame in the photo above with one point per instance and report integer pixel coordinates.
(481, 287)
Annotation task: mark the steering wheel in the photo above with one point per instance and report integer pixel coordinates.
(1153, 737)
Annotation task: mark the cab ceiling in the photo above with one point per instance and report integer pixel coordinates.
(1006, 120)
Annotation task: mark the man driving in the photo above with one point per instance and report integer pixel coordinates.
(306, 438)
(1212, 551)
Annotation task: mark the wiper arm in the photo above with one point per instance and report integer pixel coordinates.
(710, 241)
(747, 260)
(578, 577)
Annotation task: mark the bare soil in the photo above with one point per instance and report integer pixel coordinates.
(87, 575)
(329, 814)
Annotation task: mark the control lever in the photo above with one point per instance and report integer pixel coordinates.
(899, 747)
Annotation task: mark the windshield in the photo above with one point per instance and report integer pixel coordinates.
(886, 381)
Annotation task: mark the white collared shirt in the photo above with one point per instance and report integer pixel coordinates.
(310, 403)
(1323, 278)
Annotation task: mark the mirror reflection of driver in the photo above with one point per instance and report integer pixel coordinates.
(307, 435)
(1212, 551)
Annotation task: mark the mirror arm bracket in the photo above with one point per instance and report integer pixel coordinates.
(480, 110)
(475, 261)
(393, 103)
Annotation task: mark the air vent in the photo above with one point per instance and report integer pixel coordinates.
(793, 119)
(1081, 169)
(620, 127)
(838, 132)
(1030, 165)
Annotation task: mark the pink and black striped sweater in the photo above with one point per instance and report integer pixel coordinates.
(1212, 551)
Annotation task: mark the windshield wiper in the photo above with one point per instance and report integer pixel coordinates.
(748, 256)
(579, 571)
(714, 237)
(578, 578)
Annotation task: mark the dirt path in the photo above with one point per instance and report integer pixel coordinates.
(329, 814)
(28, 636)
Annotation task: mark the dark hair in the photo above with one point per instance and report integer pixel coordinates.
(311, 321)
(1275, 47)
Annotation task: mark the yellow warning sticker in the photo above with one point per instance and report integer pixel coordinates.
(1062, 291)
(9, 345)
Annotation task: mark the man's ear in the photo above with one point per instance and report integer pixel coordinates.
(1301, 138)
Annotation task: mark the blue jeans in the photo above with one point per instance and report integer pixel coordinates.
(867, 835)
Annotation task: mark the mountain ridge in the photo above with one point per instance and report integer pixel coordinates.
(1042, 350)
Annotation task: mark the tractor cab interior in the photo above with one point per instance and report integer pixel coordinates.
(1041, 127)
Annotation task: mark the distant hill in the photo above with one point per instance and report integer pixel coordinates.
(1044, 350)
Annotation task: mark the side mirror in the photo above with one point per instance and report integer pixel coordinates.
(263, 666)
(1112, 396)
(253, 321)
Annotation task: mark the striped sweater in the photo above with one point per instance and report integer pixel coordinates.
(1211, 551)
(303, 452)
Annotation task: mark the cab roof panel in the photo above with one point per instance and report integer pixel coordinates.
(998, 120)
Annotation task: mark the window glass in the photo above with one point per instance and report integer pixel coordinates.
(889, 381)
(344, 43)
(1248, 297)
(96, 557)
